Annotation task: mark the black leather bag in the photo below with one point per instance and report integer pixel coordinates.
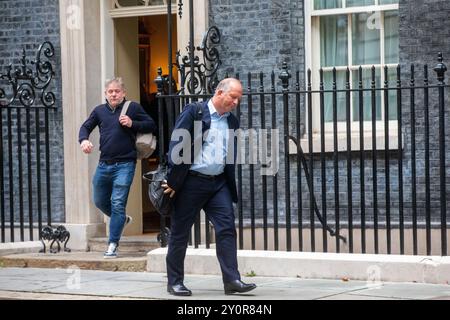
(162, 202)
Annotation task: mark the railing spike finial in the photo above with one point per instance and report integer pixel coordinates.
(285, 76)
(440, 68)
(159, 81)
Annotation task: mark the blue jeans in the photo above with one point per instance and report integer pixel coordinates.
(111, 187)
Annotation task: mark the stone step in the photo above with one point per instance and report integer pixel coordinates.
(132, 262)
(128, 244)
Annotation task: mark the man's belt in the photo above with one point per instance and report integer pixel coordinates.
(111, 162)
(205, 176)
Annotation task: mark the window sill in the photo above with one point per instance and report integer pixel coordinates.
(342, 142)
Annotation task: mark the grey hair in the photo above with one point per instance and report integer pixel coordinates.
(225, 84)
(117, 80)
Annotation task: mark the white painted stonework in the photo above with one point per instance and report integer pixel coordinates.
(363, 267)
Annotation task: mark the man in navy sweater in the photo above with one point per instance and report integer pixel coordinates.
(115, 171)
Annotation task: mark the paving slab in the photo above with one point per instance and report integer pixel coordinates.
(415, 291)
(86, 284)
(9, 295)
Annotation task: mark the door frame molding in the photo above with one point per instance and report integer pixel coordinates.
(138, 11)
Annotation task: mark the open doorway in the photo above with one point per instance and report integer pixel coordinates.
(153, 54)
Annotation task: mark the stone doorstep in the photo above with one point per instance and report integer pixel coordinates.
(83, 260)
(20, 247)
(130, 244)
(132, 255)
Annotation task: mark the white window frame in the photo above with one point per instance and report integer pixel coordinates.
(312, 48)
(146, 9)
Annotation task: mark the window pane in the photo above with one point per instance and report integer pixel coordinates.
(388, 1)
(367, 95)
(328, 96)
(391, 50)
(129, 3)
(360, 3)
(333, 41)
(366, 38)
(392, 79)
(327, 4)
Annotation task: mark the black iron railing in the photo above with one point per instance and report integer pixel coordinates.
(25, 105)
(368, 177)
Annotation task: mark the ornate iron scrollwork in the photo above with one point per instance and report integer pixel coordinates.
(27, 84)
(205, 73)
(59, 235)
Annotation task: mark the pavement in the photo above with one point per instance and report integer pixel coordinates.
(73, 283)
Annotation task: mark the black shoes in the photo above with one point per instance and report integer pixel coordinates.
(178, 290)
(237, 286)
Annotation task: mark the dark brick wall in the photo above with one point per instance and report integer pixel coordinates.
(423, 33)
(27, 24)
(259, 35)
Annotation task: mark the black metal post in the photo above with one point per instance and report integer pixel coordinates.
(29, 174)
(38, 171)
(349, 161)
(20, 166)
(264, 153)
(2, 184)
(336, 161)
(239, 186)
(251, 166)
(169, 44)
(374, 159)
(299, 164)
(47, 167)
(160, 87)
(440, 70)
(162, 160)
(413, 158)
(11, 176)
(386, 160)
(362, 160)
(191, 45)
(311, 165)
(427, 160)
(284, 77)
(322, 163)
(169, 100)
(400, 162)
(275, 177)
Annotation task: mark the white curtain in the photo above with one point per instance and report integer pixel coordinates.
(327, 4)
(334, 53)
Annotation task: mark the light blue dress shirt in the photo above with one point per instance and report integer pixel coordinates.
(211, 160)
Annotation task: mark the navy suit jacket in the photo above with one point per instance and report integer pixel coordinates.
(178, 172)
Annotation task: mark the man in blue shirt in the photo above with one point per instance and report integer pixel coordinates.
(115, 171)
(207, 183)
